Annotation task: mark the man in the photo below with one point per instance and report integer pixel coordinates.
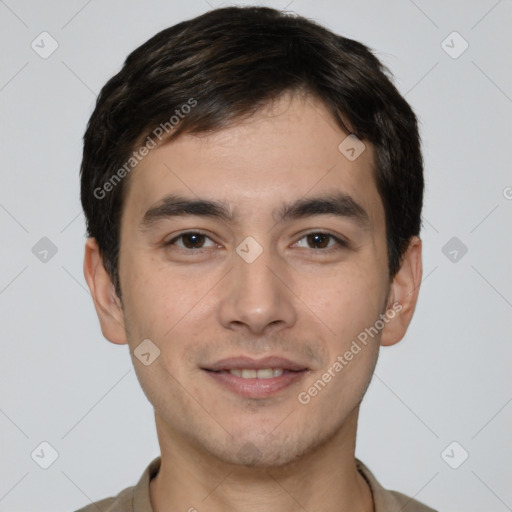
(253, 188)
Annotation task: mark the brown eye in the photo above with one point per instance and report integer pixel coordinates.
(190, 240)
(319, 240)
(193, 240)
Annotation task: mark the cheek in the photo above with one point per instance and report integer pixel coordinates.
(345, 301)
(347, 305)
(157, 303)
(173, 313)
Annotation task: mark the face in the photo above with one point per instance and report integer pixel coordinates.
(253, 293)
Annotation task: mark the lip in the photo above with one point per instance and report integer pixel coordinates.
(255, 388)
(241, 362)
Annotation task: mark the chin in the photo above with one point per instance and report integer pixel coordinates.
(251, 455)
(262, 450)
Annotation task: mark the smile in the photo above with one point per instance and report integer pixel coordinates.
(264, 373)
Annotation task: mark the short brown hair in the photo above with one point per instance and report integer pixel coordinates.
(232, 61)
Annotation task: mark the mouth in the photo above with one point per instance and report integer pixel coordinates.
(263, 373)
(251, 378)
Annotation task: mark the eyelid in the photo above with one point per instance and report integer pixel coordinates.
(339, 239)
(188, 232)
(341, 242)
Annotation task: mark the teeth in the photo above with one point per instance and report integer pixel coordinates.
(264, 373)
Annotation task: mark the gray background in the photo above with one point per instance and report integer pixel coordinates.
(448, 380)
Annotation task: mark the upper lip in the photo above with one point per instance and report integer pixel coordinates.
(242, 363)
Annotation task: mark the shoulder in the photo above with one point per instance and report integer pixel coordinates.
(120, 503)
(390, 501)
(409, 504)
(132, 499)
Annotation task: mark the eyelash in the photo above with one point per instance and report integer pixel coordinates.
(341, 244)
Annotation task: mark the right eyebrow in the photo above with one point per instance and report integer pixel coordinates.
(178, 206)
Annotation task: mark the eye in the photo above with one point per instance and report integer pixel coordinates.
(194, 240)
(191, 240)
(321, 240)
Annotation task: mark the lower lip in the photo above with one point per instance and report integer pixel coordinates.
(256, 388)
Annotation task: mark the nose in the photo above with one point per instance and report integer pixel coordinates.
(258, 296)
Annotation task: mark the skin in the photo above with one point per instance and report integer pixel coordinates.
(295, 300)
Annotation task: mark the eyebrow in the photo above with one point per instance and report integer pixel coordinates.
(339, 204)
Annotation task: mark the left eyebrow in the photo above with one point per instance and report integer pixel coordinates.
(339, 204)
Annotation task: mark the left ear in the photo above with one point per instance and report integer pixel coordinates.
(403, 294)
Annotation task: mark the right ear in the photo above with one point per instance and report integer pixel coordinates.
(107, 303)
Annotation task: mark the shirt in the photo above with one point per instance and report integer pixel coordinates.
(136, 498)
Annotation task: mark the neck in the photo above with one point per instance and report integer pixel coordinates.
(324, 479)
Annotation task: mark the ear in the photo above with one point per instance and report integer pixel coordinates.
(107, 303)
(403, 294)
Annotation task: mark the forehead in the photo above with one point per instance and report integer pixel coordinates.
(292, 148)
